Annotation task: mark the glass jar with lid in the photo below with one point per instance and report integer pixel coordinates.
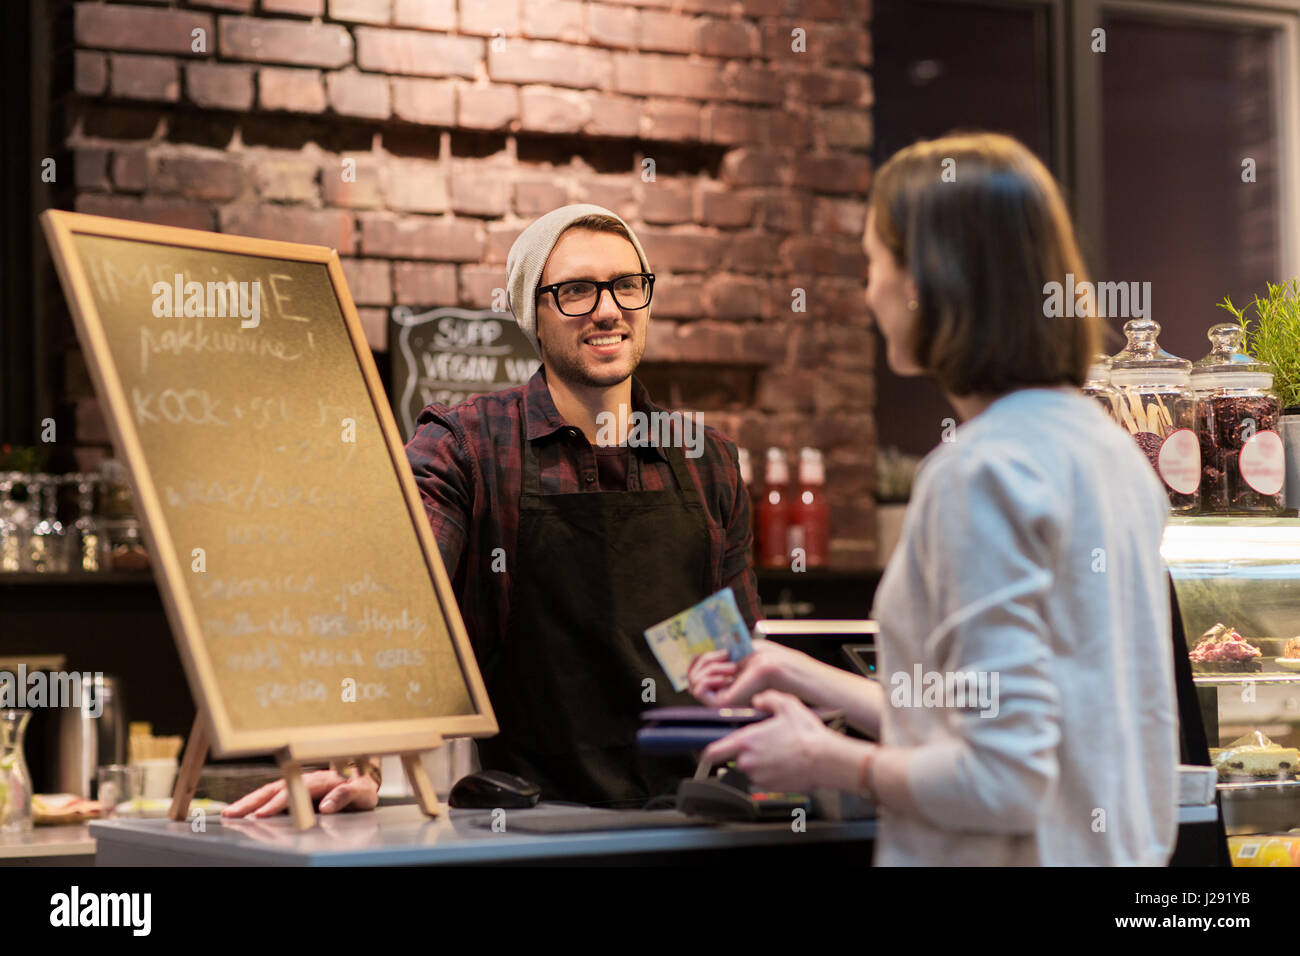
(1097, 384)
(1155, 402)
(1243, 467)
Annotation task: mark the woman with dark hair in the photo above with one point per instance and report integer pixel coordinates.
(1025, 708)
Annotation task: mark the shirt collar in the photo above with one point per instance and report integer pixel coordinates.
(542, 418)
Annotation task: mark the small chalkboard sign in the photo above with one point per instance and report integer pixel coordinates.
(446, 355)
(311, 608)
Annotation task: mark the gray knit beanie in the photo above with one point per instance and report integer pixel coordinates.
(528, 258)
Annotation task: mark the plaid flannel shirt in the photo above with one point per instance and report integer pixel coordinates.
(468, 465)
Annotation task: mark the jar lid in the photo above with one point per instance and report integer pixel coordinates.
(1143, 361)
(1227, 365)
(1098, 371)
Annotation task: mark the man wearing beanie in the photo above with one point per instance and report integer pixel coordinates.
(564, 547)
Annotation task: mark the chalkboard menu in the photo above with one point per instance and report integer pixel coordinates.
(446, 355)
(300, 575)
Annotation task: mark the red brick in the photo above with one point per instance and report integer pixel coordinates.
(368, 281)
(545, 110)
(421, 237)
(130, 170)
(851, 87)
(479, 194)
(613, 26)
(670, 120)
(91, 73)
(748, 167)
(219, 86)
(615, 193)
(835, 173)
(788, 129)
(417, 54)
(241, 6)
(749, 84)
(318, 227)
(765, 343)
(840, 216)
(554, 20)
(374, 324)
(298, 91)
(785, 390)
(786, 211)
(303, 8)
(286, 178)
(359, 94)
(90, 168)
(500, 237)
(704, 6)
(364, 188)
(137, 28)
(537, 197)
(554, 64)
(676, 296)
(425, 14)
(762, 8)
(480, 286)
(735, 297)
(665, 203)
(699, 341)
(285, 41)
(361, 11)
(423, 283)
(144, 77)
(666, 32)
(654, 75)
(196, 177)
(727, 208)
(416, 185)
(164, 212)
(733, 125)
(680, 251)
(486, 107)
(846, 128)
(726, 38)
(489, 18)
(427, 102)
(752, 252)
(824, 255)
(614, 115)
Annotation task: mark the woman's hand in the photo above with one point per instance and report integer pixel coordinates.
(719, 682)
(791, 750)
(358, 792)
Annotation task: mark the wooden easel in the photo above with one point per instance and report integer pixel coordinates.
(291, 758)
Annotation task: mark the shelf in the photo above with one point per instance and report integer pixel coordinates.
(1254, 678)
(1244, 786)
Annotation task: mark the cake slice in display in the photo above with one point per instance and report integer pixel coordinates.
(1222, 650)
(1254, 756)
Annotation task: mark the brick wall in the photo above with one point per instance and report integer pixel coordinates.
(463, 119)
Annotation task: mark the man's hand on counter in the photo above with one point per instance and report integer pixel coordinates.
(336, 792)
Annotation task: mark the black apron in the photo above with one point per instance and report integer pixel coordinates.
(593, 570)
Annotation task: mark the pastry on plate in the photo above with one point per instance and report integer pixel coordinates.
(1254, 756)
(1222, 650)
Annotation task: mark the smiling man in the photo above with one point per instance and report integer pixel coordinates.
(563, 547)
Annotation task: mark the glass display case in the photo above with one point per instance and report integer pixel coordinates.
(1237, 580)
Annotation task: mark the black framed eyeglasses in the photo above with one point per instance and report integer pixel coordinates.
(581, 296)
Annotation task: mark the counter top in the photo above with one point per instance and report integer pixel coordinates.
(48, 841)
(403, 836)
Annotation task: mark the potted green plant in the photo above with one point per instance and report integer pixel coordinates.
(1273, 336)
(895, 472)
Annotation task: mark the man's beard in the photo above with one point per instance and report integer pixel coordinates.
(570, 369)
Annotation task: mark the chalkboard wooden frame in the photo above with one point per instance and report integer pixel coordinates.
(405, 736)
